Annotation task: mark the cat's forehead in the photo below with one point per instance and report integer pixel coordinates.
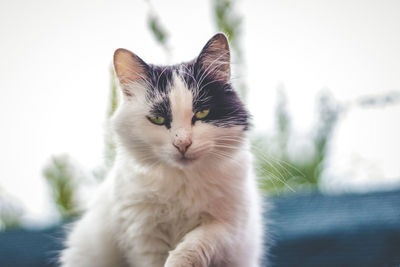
(161, 78)
(169, 95)
(181, 101)
(171, 81)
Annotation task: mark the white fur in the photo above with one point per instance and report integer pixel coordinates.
(156, 210)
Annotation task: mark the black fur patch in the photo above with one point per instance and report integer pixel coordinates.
(226, 109)
(160, 79)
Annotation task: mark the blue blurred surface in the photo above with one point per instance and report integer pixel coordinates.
(305, 230)
(345, 230)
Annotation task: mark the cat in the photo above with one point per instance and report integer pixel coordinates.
(181, 192)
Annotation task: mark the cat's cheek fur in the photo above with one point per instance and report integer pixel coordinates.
(136, 133)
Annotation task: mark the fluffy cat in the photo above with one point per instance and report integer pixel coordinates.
(181, 192)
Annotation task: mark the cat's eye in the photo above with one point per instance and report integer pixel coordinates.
(202, 114)
(159, 120)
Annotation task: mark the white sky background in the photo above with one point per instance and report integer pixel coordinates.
(54, 78)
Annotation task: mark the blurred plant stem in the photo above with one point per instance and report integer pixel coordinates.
(109, 142)
(110, 150)
(10, 212)
(382, 100)
(61, 175)
(228, 21)
(158, 30)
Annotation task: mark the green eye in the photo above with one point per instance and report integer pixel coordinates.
(202, 114)
(159, 120)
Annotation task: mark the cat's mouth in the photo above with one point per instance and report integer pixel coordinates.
(184, 159)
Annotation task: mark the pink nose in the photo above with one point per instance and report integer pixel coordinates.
(183, 145)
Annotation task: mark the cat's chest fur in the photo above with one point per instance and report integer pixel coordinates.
(161, 207)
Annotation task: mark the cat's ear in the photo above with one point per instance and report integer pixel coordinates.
(215, 58)
(129, 69)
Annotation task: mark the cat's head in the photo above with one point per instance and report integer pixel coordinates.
(180, 115)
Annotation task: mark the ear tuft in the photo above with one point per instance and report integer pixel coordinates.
(129, 68)
(215, 57)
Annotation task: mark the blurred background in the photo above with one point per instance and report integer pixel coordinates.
(321, 79)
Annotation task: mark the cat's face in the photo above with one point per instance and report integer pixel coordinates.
(181, 115)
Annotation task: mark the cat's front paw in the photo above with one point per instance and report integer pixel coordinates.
(184, 259)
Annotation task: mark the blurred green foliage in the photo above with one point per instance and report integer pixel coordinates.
(228, 21)
(62, 178)
(157, 29)
(109, 143)
(10, 212)
(281, 169)
(113, 104)
(110, 150)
